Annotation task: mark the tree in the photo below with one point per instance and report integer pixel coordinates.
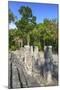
(27, 21)
(11, 16)
(49, 33)
(15, 36)
(25, 11)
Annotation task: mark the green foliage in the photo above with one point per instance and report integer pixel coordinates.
(14, 35)
(11, 16)
(25, 11)
(49, 33)
(41, 34)
(27, 21)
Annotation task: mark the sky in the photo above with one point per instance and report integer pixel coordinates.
(40, 10)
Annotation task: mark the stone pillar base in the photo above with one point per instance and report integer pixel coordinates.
(49, 78)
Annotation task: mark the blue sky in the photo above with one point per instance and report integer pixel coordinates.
(40, 10)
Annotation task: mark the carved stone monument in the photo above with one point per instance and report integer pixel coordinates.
(28, 60)
(48, 63)
(36, 52)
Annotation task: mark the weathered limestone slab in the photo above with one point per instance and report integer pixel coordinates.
(36, 52)
(48, 62)
(21, 75)
(49, 77)
(9, 72)
(28, 63)
(15, 79)
(48, 54)
(32, 50)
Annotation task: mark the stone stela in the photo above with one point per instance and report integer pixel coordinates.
(48, 63)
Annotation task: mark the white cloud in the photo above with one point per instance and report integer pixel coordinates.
(12, 26)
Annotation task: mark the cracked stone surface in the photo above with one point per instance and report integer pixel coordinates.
(18, 70)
